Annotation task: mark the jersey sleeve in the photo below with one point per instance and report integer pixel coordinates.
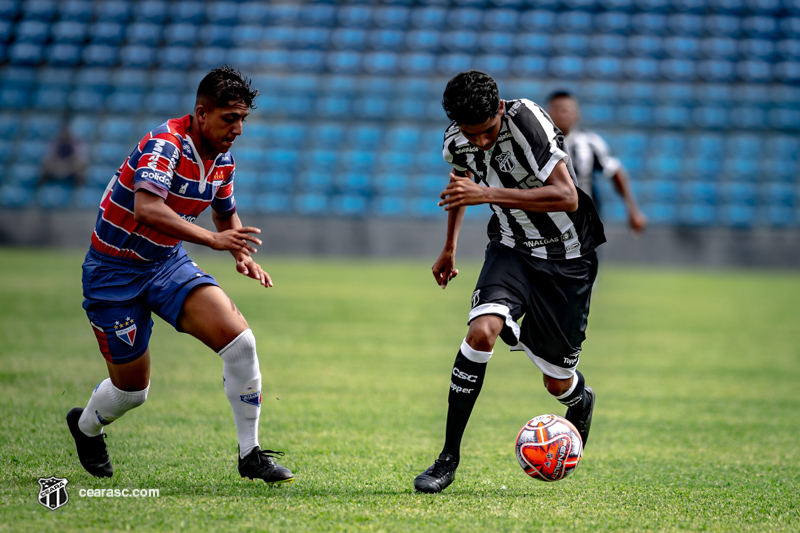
(605, 163)
(534, 130)
(154, 166)
(223, 202)
(449, 150)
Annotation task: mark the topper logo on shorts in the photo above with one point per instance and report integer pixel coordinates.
(126, 331)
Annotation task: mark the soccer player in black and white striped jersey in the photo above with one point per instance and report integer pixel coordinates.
(590, 154)
(540, 262)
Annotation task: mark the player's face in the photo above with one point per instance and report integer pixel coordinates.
(220, 126)
(484, 135)
(564, 112)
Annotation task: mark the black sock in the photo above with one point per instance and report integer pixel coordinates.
(466, 381)
(577, 397)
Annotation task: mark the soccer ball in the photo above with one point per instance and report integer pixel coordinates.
(549, 448)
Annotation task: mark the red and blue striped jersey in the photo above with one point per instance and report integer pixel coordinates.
(164, 163)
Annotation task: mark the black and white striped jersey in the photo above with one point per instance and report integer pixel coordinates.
(590, 154)
(527, 150)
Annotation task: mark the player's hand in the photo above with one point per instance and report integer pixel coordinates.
(461, 191)
(638, 223)
(246, 266)
(237, 240)
(444, 269)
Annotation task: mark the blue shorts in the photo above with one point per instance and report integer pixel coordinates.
(120, 294)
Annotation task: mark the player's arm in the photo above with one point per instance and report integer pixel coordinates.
(444, 267)
(636, 220)
(244, 262)
(152, 211)
(557, 194)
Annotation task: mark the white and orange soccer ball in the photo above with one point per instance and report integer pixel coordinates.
(549, 447)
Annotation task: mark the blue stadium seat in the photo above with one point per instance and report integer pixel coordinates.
(327, 134)
(784, 118)
(396, 17)
(9, 9)
(645, 46)
(418, 64)
(493, 41)
(612, 22)
(697, 215)
(500, 19)
(466, 19)
(349, 38)
(790, 27)
(357, 16)
(734, 7)
(223, 13)
(641, 68)
(618, 5)
(25, 54)
(533, 43)
(350, 205)
(15, 196)
(537, 20)
(137, 56)
(748, 117)
(113, 11)
(428, 17)
(322, 160)
(215, 35)
(452, 64)
(42, 127)
(759, 26)
(788, 71)
(106, 33)
(682, 47)
(311, 204)
(389, 206)
(24, 174)
(357, 160)
(493, 62)
(69, 32)
(718, 48)
(44, 10)
(54, 196)
(188, 12)
(312, 38)
(277, 181)
(307, 60)
(604, 67)
(710, 117)
(392, 183)
(757, 48)
(380, 62)
(716, 70)
(607, 44)
(678, 69)
(32, 31)
(119, 128)
(156, 11)
(211, 57)
(575, 22)
(778, 194)
(175, 57)
(737, 216)
(75, 10)
(343, 62)
(788, 49)
(754, 70)
(685, 24)
(649, 23)
(49, 98)
(272, 203)
(143, 33)
(460, 41)
(780, 217)
(740, 193)
(721, 25)
(186, 34)
(352, 182)
(574, 45)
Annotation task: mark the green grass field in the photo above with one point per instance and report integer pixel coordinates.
(696, 427)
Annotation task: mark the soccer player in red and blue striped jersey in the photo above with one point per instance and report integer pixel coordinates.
(137, 266)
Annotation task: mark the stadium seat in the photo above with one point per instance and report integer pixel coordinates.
(452, 64)
(612, 22)
(113, 11)
(678, 69)
(737, 216)
(697, 215)
(464, 19)
(718, 48)
(349, 38)
(380, 62)
(537, 20)
(25, 54)
(356, 16)
(641, 68)
(575, 22)
(759, 26)
(493, 41)
(343, 62)
(428, 17)
(533, 43)
(311, 204)
(645, 46)
(389, 206)
(44, 10)
(754, 70)
(137, 56)
(396, 17)
(721, 25)
(41, 128)
(74, 10)
(32, 31)
(9, 9)
(716, 70)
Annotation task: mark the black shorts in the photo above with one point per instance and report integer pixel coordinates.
(553, 297)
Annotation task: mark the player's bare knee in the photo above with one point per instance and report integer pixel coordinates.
(482, 334)
(556, 387)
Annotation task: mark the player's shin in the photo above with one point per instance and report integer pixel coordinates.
(466, 381)
(242, 380)
(575, 394)
(107, 404)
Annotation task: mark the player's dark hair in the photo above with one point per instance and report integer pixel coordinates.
(471, 98)
(224, 85)
(559, 94)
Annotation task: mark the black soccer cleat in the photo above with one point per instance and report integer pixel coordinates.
(439, 476)
(581, 416)
(92, 451)
(259, 464)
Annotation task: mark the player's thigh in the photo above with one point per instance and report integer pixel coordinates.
(210, 316)
(499, 296)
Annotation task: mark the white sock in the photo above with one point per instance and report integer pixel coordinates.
(107, 404)
(241, 377)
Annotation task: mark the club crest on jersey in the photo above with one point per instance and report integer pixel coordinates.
(506, 162)
(53, 492)
(126, 331)
(252, 398)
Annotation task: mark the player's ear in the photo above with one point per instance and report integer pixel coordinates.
(200, 112)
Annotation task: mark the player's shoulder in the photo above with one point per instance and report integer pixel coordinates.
(523, 110)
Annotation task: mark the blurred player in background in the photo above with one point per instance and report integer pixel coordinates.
(540, 262)
(589, 154)
(136, 266)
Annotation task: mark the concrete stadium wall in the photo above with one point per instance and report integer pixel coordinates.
(398, 238)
